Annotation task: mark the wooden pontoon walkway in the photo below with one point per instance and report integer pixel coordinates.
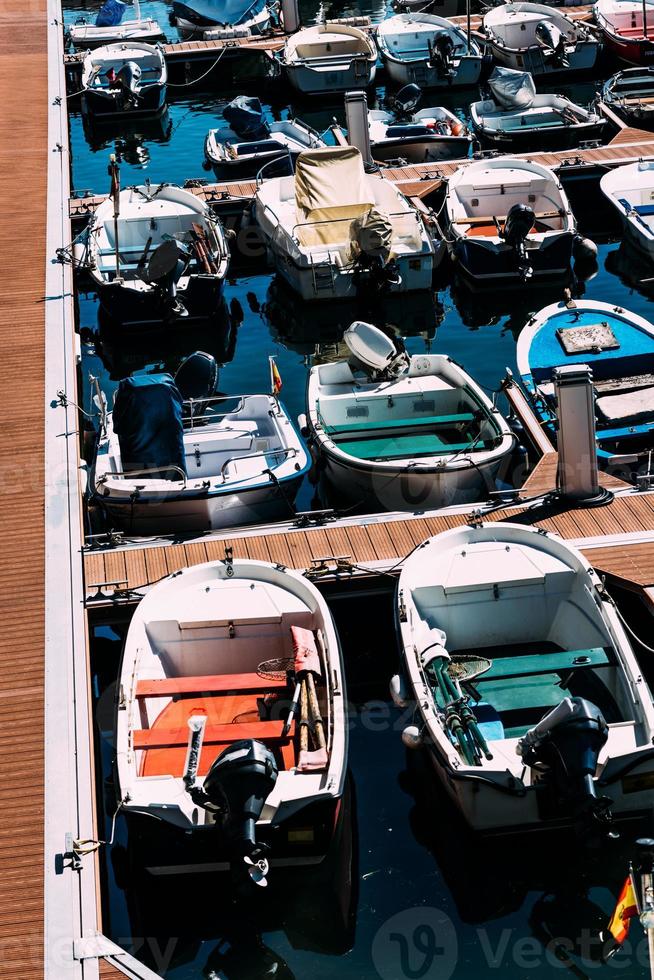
(23, 147)
(626, 555)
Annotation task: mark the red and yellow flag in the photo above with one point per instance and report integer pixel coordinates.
(275, 378)
(625, 910)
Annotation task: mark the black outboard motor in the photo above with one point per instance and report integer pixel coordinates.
(406, 101)
(196, 379)
(552, 41)
(569, 747)
(163, 270)
(238, 783)
(518, 224)
(441, 55)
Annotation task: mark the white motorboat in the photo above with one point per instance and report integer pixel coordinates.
(433, 133)
(517, 118)
(247, 142)
(167, 462)
(429, 51)
(508, 219)
(110, 27)
(540, 39)
(628, 29)
(403, 433)
(196, 17)
(329, 58)
(230, 669)
(333, 230)
(156, 253)
(630, 94)
(528, 696)
(630, 189)
(124, 79)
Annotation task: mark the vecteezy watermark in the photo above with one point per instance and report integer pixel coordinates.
(414, 944)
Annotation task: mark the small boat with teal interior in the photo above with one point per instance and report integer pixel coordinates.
(528, 697)
(630, 93)
(401, 432)
(619, 348)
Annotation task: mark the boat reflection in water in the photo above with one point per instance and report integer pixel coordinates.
(124, 353)
(312, 330)
(129, 138)
(216, 935)
(515, 886)
(631, 267)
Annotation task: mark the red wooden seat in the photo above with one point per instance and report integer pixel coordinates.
(164, 738)
(167, 686)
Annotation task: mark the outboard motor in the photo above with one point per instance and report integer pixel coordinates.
(518, 224)
(238, 784)
(406, 101)
(373, 235)
(568, 741)
(163, 270)
(129, 77)
(373, 351)
(196, 379)
(441, 55)
(552, 42)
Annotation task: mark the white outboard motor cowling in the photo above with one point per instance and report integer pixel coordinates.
(372, 350)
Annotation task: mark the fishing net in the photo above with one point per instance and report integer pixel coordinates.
(465, 667)
(275, 670)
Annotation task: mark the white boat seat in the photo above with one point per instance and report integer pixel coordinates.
(633, 407)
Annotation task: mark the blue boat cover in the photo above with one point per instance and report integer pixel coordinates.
(210, 12)
(246, 117)
(147, 418)
(111, 13)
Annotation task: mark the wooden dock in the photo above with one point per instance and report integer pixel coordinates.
(22, 335)
(422, 179)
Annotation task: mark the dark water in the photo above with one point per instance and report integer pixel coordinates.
(426, 899)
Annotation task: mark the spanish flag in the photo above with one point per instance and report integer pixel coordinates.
(275, 378)
(625, 910)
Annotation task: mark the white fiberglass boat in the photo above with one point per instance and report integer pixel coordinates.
(156, 254)
(329, 58)
(630, 189)
(517, 118)
(540, 39)
(208, 740)
(430, 51)
(247, 142)
(403, 433)
(630, 94)
(234, 17)
(434, 133)
(166, 463)
(509, 219)
(528, 696)
(125, 78)
(110, 27)
(333, 230)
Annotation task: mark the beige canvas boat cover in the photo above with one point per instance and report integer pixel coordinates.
(330, 188)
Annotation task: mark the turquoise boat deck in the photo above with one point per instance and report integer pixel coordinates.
(527, 680)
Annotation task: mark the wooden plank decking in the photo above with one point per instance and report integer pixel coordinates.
(388, 539)
(23, 147)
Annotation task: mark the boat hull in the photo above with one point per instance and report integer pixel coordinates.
(482, 262)
(152, 100)
(177, 513)
(582, 59)
(359, 74)
(135, 307)
(194, 22)
(397, 488)
(322, 281)
(559, 138)
(634, 51)
(466, 74)
(420, 150)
